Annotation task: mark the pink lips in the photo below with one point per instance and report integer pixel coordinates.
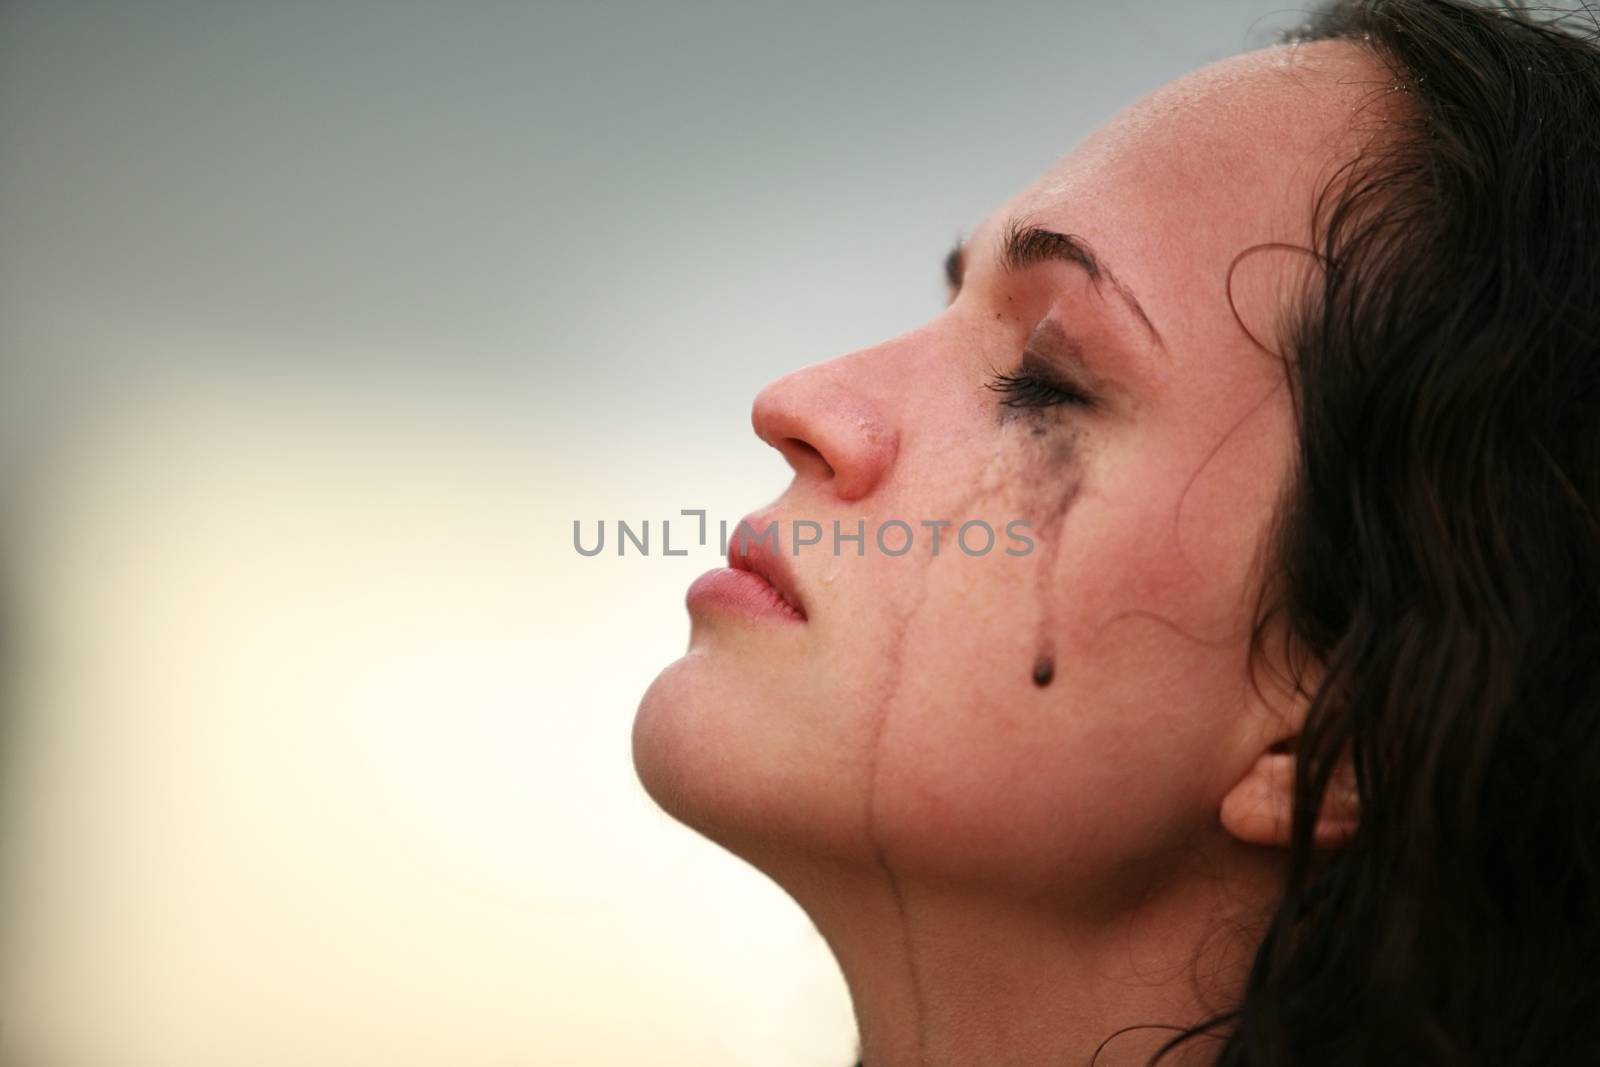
(742, 591)
(756, 581)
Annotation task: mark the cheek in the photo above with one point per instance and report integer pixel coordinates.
(1139, 593)
(985, 776)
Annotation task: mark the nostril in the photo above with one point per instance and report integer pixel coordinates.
(803, 448)
(804, 457)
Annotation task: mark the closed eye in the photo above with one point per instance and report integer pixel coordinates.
(1029, 387)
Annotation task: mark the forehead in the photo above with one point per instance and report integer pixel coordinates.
(1172, 189)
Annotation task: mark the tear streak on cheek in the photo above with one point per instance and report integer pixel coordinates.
(888, 698)
(1055, 475)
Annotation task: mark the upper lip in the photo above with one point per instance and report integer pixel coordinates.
(759, 558)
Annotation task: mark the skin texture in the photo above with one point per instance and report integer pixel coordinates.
(1030, 800)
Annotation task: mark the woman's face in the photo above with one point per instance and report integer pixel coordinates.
(1067, 719)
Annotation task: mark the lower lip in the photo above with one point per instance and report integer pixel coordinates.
(744, 592)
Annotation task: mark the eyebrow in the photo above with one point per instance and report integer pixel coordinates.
(1025, 245)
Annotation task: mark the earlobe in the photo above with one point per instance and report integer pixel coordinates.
(1257, 809)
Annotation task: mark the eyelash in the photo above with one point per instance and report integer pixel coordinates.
(1030, 389)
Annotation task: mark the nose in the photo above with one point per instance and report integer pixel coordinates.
(827, 430)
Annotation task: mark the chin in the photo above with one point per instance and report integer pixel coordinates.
(692, 748)
(667, 741)
(715, 752)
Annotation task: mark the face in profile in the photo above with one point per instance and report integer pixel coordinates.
(1065, 723)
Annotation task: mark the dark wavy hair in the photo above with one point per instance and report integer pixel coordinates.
(1438, 564)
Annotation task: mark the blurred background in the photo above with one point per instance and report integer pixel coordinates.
(321, 323)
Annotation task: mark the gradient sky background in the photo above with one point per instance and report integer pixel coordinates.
(321, 323)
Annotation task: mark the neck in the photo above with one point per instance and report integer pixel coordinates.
(950, 976)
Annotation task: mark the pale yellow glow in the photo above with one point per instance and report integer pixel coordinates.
(323, 759)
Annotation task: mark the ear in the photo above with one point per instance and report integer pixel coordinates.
(1257, 809)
